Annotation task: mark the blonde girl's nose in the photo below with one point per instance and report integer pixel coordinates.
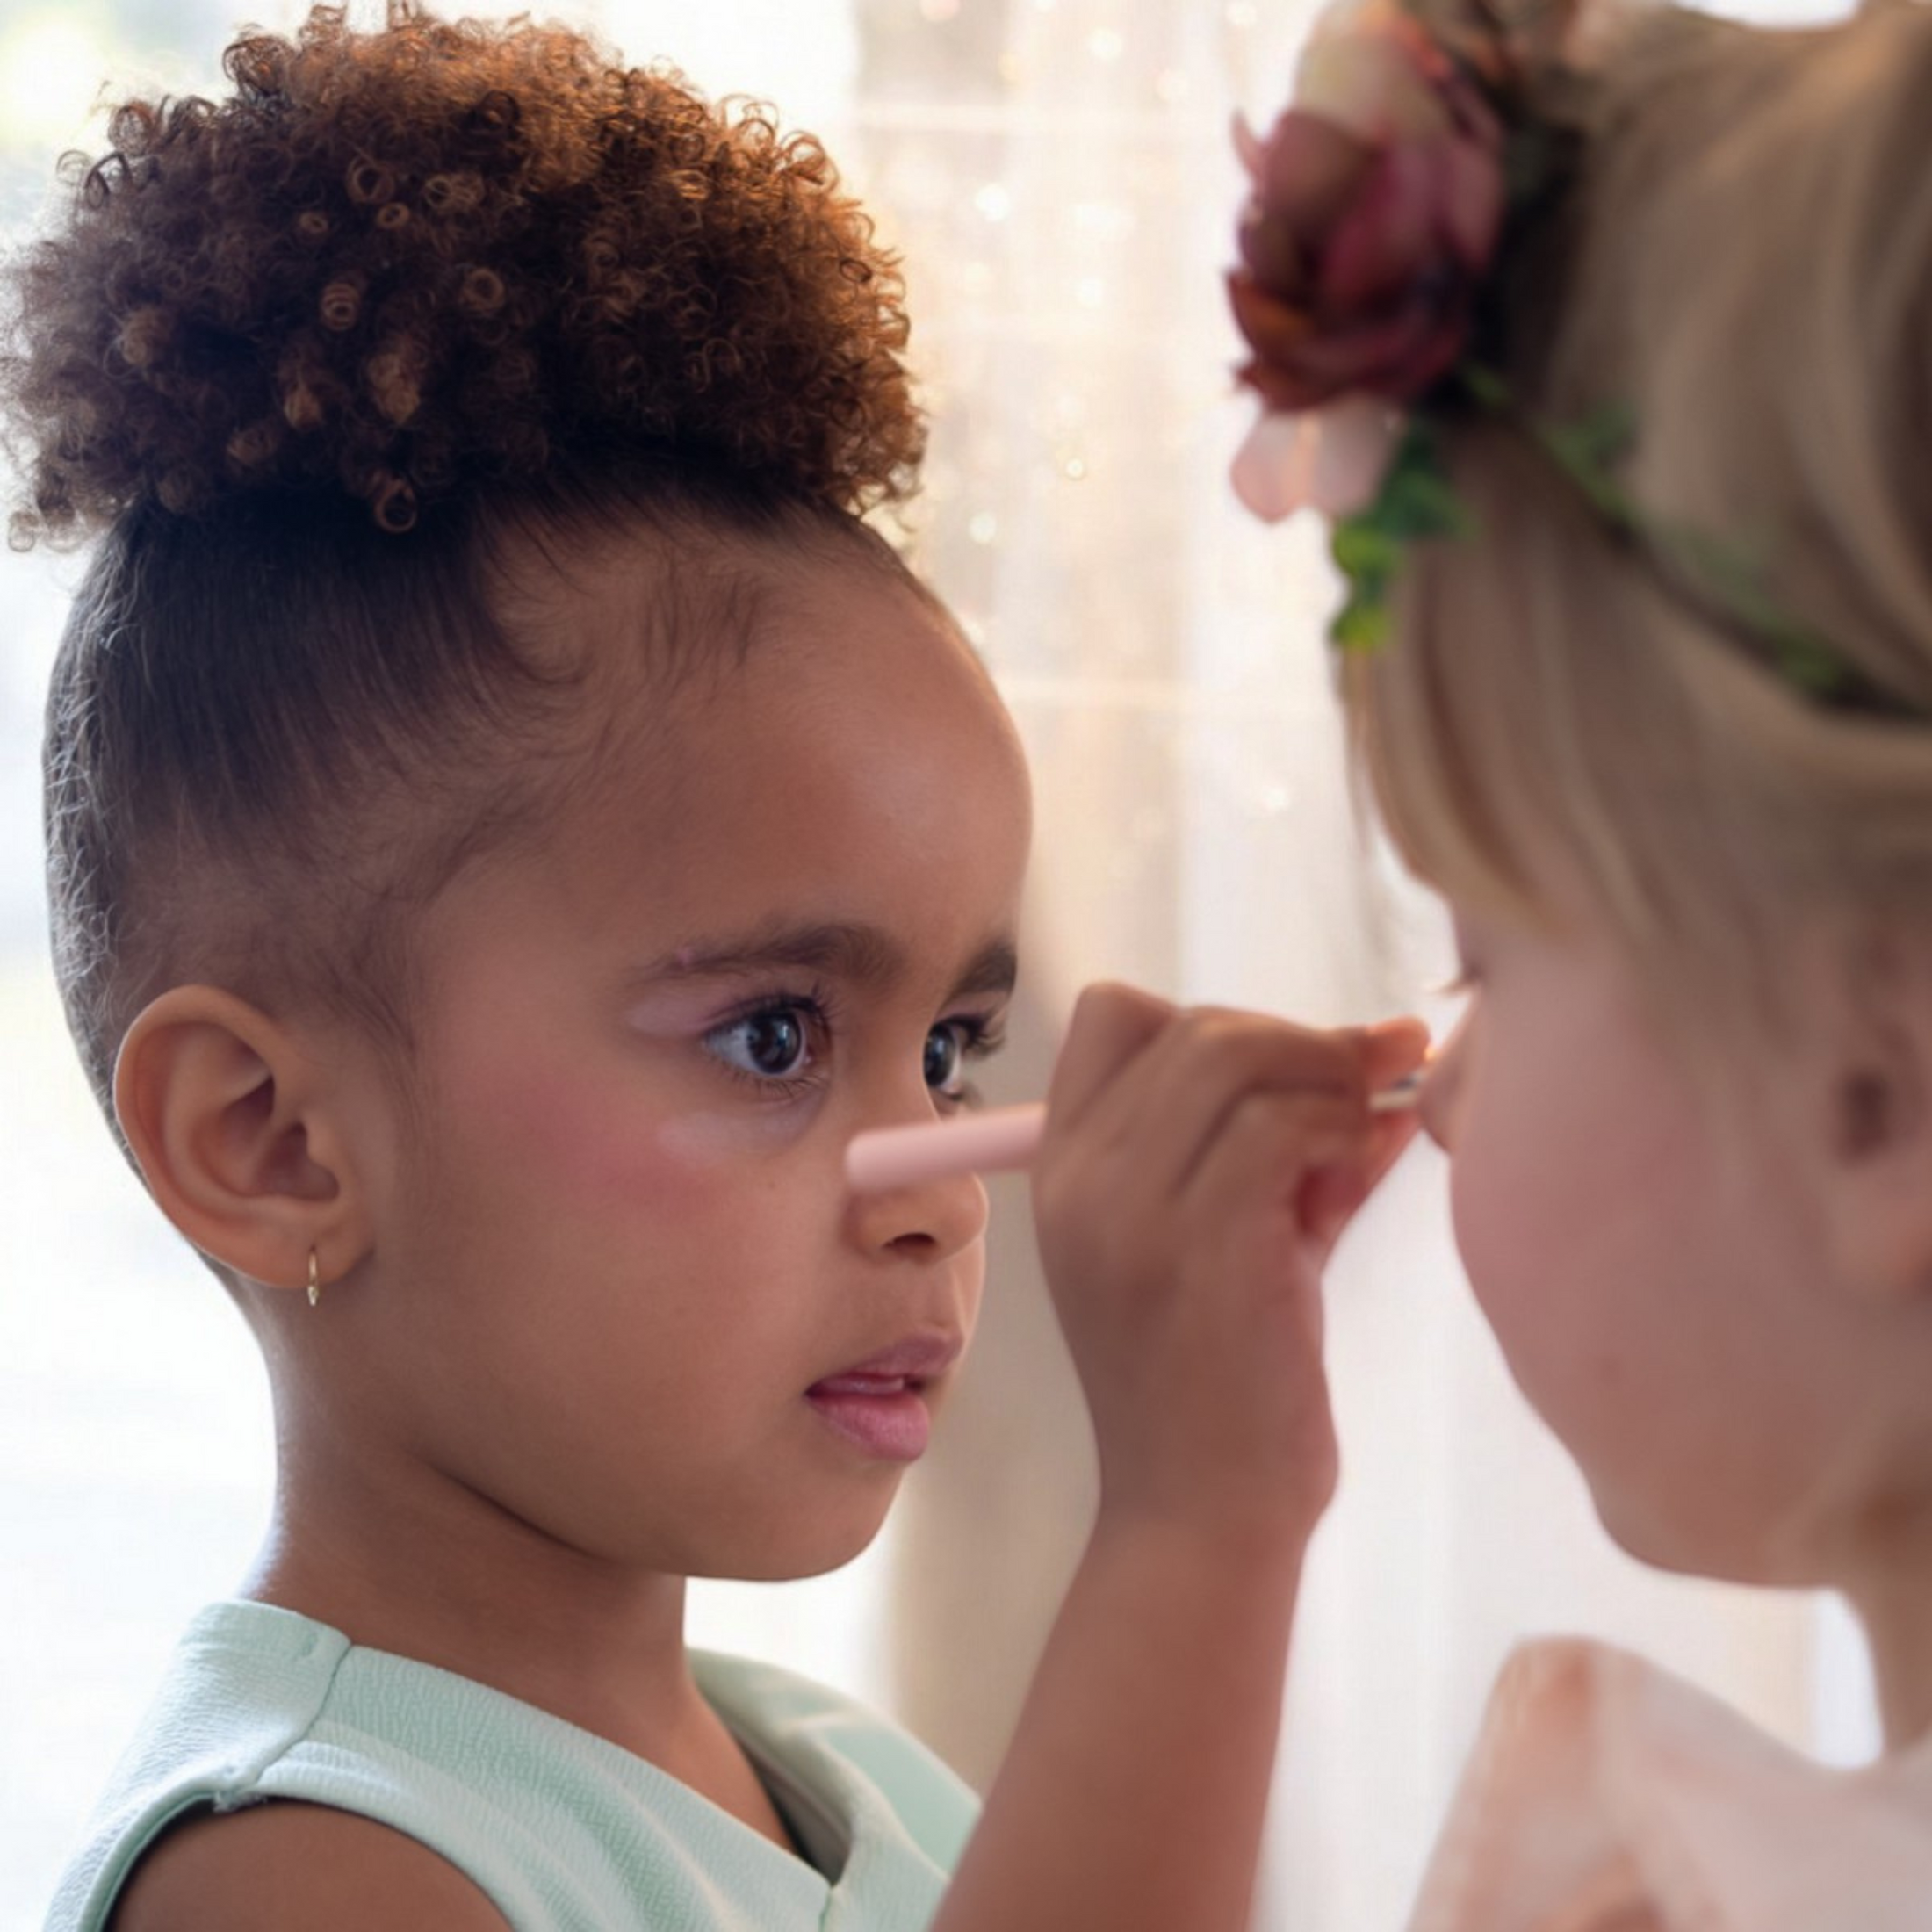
(1442, 1087)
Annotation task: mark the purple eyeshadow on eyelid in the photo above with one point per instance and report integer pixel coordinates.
(677, 1010)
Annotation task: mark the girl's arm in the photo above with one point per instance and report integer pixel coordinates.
(299, 1868)
(1136, 1789)
(1196, 1170)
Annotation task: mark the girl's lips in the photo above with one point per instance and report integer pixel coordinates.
(859, 1383)
(891, 1424)
(918, 1359)
(879, 1403)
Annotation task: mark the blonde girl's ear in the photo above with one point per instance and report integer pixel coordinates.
(242, 1135)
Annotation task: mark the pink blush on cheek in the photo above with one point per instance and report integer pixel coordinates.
(585, 1146)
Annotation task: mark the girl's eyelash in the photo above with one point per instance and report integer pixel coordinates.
(980, 1034)
(816, 1003)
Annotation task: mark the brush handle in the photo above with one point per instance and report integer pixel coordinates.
(1000, 1142)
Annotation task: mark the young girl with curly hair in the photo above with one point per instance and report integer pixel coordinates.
(1605, 344)
(510, 825)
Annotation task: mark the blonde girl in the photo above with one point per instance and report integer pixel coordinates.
(1605, 343)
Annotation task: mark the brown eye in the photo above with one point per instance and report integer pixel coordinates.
(945, 1060)
(772, 1044)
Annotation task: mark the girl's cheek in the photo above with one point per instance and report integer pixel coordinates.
(537, 1128)
(618, 1144)
(697, 1140)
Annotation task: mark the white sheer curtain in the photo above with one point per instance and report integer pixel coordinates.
(1057, 174)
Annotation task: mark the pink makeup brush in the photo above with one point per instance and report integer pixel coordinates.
(1002, 1141)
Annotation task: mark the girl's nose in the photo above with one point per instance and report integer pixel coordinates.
(1442, 1087)
(925, 1220)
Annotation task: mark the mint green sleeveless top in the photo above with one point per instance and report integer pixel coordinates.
(564, 1832)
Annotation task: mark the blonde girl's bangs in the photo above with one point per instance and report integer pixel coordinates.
(1495, 730)
(1549, 729)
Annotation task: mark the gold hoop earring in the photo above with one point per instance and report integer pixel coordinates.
(315, 1285)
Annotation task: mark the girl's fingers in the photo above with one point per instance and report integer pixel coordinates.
(1150, 1094)
(1392, 1049)
(1269, 1145)
(1307, 1156)
(1165, 1112)
(1335, 1193)
(1112, 1024)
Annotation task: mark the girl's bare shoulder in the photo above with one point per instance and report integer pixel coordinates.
(298, 1867)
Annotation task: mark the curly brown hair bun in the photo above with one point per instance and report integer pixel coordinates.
(473, 283)
(405, 264)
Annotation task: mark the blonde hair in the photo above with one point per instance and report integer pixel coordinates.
(1745, 261)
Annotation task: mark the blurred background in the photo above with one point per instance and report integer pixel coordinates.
(1058, 177)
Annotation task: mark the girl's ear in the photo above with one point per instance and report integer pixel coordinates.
(242, 1136)
(1879, 1126)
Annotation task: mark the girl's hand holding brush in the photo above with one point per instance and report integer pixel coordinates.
(1195, 1171)
(1191, 1174)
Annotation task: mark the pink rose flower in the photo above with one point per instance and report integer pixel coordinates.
(1329, 459)
(1378, 198)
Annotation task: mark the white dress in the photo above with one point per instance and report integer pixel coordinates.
(1605, 1795)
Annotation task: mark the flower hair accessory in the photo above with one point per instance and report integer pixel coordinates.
(1382, 200)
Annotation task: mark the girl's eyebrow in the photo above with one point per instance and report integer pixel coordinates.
(844, 949)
